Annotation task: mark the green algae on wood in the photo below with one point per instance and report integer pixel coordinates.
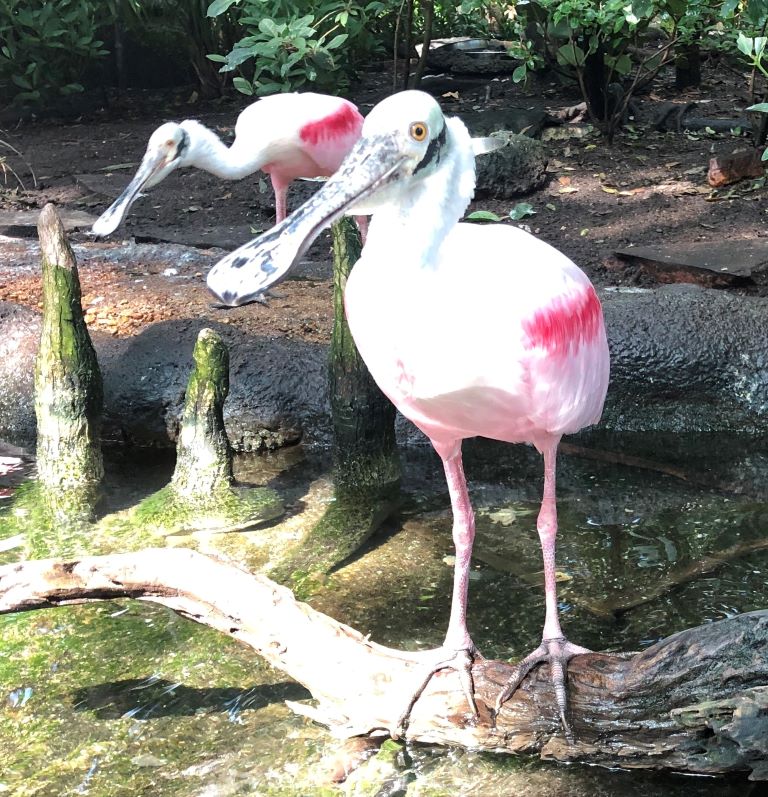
(202, 494)
(68, 386)
(366, 466)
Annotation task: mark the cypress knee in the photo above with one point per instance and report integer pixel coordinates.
(203, 454)
(203, 494)
(366, 464)
(68, 386)
(363, 418)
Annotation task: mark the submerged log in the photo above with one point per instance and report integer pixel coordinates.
(695, 702)
(68, 387)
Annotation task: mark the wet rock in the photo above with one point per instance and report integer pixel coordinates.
(511, 118)
(277, 391)
(518, 168)
(19, 336)
(24, 222)
(685, 358)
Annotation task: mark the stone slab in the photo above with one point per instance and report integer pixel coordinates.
(23, 223)
(738, 260)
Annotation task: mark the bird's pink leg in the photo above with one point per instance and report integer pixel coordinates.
(458, 649)
(554, 648)
(362, 225)
(280, 188)
(457, 637)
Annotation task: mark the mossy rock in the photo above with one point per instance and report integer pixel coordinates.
(516, 169)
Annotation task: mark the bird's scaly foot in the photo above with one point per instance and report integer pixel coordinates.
(441, 659)
(556, 652)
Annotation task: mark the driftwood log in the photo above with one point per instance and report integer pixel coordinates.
(695, 702)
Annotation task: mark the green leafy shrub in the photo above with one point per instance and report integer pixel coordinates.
(46, 45)
(291, 44)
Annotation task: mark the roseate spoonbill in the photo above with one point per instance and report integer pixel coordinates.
(286, 135)
(470, 330)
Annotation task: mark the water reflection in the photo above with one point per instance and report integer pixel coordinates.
(128, 698)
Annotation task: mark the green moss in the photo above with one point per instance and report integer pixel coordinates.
(118, 686)
(231, 509)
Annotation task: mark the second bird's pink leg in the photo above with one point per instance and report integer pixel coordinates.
(280, 187)
(458, 649)
(554, 648)
(362, 225)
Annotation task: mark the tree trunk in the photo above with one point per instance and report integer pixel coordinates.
(409, 4)
(68, 387)
(428, 15)
(687, 66)
(696, 702)
(595, 87)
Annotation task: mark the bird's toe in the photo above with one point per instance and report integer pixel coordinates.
(557, 653)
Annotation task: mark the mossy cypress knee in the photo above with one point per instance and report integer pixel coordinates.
(366, 466)
(364, 448)
(203, 453)
(203, 495)
(68, 386)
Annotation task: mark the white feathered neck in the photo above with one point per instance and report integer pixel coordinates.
(414, 222)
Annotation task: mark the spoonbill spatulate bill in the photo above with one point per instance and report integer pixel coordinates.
(470, 330)
(288, 136)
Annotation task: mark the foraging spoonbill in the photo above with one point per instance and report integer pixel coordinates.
(285, 135)
(470, 330)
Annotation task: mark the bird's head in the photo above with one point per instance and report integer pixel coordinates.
(403, 140)
(166, 150)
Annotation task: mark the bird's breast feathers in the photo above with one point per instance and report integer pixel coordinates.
(488, 319)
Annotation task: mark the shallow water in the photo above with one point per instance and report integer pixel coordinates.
(125, 698)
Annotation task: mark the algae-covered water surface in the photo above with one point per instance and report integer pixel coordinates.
(126, 698)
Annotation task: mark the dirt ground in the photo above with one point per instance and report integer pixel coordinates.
(648, 188)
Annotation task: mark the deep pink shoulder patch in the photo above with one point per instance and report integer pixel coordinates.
(566, 323)
(341, 122)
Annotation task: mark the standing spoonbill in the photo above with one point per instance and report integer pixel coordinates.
(470, 330)
(286, 135)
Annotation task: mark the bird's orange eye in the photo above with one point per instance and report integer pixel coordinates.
(418, 131)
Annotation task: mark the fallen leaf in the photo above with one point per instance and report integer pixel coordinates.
(483, 215)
